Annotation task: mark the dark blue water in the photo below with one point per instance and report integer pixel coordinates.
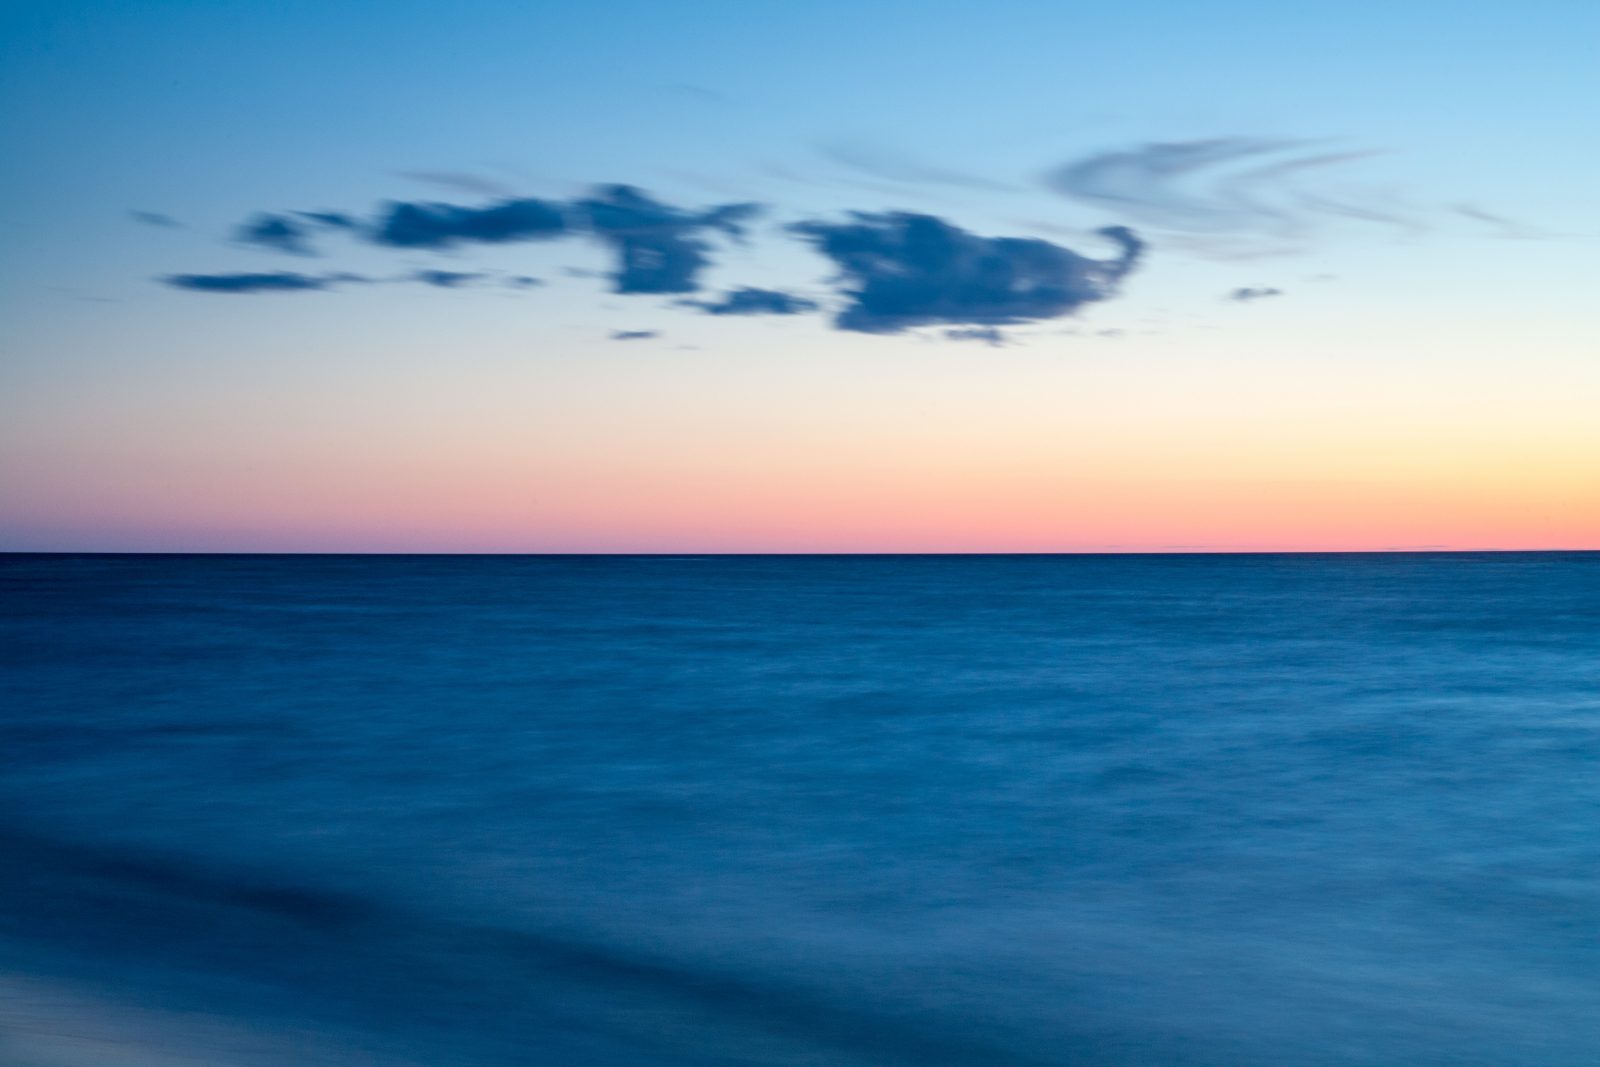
(1186, 810)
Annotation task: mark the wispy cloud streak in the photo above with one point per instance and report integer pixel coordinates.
(1225, 185)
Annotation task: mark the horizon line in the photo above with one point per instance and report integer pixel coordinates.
(451, 553)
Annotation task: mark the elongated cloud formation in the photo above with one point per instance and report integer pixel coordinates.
(1221, 185)
(659, 248)
(437, 226)
(749, 301)
(1253, 293)
(986, 334)
(289, 281)
(275, 282)
(896, 270)
(903, 270)
(447, 279)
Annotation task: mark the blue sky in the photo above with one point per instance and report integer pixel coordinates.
(1416, 181)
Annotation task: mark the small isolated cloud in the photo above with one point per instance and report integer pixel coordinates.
(419, 225)
(447, 279)
(634, 335)
(902, 270)
(986, 334)
(459, 181)
(277, 232)
(659, 248)
(748, 301)
(155, 218)
(1247, 293)
(522, 281)
(275, 282)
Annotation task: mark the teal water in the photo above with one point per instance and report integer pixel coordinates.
(1101, 810)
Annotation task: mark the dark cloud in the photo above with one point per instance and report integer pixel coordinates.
(903, 270)
(659, 248)
(155, 218)
(417, 225)
(459, 181)
(277, 232)
(748, 301)
(896, 271)
(633, 335)
(276, 282)
(447, 279)
(1256, 293)
(1217, 186)
(987, 334)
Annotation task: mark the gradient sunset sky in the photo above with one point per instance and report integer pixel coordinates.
(406, 276)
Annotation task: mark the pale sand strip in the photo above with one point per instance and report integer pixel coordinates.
(47, 1024)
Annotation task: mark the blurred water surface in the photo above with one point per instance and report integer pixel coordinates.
(1099, 810)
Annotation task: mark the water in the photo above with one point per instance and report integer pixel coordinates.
(1185, 810)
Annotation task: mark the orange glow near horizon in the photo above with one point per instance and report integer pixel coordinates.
(751, 507)
(928, 452)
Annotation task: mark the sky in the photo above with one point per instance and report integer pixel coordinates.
(798, 277)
